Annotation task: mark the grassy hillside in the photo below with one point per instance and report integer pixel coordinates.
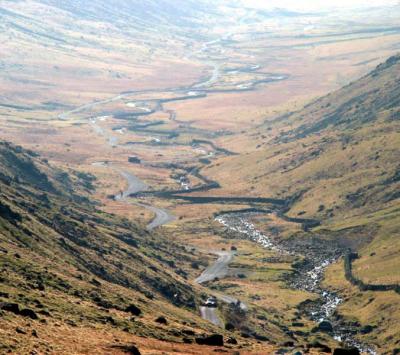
(338, 156)
(65, 264)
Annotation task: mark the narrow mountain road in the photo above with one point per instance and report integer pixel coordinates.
(135, 185)
(210, 314)
(217, 270)
(161, 218)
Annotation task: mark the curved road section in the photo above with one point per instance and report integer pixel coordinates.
(217, 270)
(135, 185)
(210, 314)
(161, 217)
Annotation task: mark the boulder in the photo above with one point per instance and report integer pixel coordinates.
(289, 343)
(325, 327)
(212, 340)
(28, 313)
(229, 326)
(14, 308)
(108, 319)
(10, 307)
(367, 329)
(188, 332)
(298, 324)
(45, 312)
(161, 320)
(322, 347)
(232, 341)
(20, 330)
(133, 310)
(259, 337)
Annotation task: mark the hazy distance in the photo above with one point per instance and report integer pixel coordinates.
(312, 5)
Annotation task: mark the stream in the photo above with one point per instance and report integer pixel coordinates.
(307, 277)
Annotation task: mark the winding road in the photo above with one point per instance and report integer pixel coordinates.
(210, 314)
(195, 91)
(236, 222)
(136, 185)
(191, 92)
(161, 218)
(217, 270)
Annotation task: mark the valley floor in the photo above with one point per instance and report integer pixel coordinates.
(190, 153)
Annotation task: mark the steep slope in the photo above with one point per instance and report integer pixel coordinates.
(346, 142)
(373, 97)
(65, 264)
(338, 155)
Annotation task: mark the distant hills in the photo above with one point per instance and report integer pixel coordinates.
(167, 12)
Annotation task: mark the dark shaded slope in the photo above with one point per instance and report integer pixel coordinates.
(76, 261)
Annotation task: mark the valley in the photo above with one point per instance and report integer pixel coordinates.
(245, 155)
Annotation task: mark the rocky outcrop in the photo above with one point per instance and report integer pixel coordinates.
(14, 308)
(161, 320)
(133, 310)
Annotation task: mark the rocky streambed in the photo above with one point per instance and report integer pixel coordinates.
(315, 255)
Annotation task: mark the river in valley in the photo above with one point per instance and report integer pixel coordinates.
(308, 276)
